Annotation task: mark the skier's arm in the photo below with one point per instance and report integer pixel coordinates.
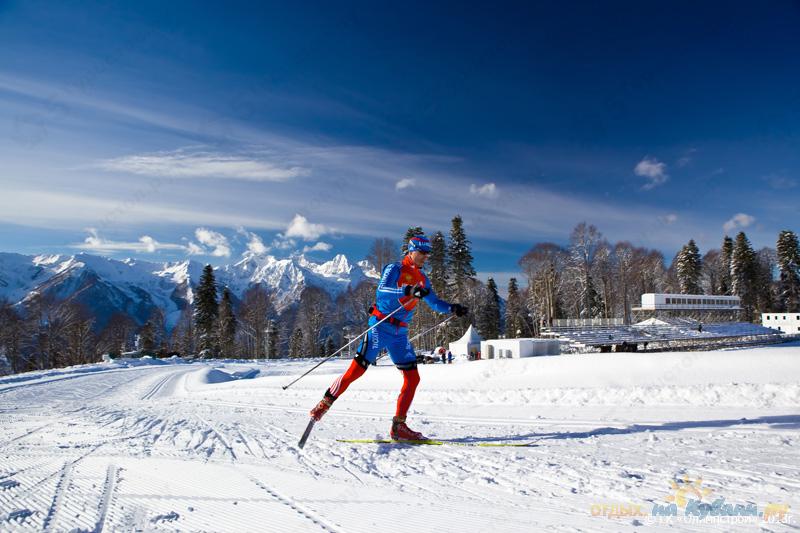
(388, 293)
(434, 302)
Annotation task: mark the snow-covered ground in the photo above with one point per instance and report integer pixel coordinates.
(212, 446)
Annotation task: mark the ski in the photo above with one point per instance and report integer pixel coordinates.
(306, 433)
(432, 442)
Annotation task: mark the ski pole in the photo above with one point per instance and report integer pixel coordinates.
(334, 354)
(418, 335)
(442, 323)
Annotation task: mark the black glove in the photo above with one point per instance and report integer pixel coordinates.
(416, 291)
(459, 309)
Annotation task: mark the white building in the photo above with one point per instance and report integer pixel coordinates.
(516, 348)
(666, 302)
(468, 345)
(785, 322)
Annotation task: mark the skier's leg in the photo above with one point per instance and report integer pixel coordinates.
(410, 382)
(367, 353)
(404, 357)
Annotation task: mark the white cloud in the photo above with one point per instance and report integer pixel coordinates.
(283, 244)
(194, 249)
(255, 244)
(201, 164)
(487, 190)
(670, 218)
(146, 244)
(318, 247)
(214, 240)
(405, 183)
(652, 169)
(301, 228)
(738, 221)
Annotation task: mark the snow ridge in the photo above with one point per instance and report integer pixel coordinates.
(134, 286)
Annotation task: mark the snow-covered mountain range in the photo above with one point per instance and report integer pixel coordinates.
(105, 286)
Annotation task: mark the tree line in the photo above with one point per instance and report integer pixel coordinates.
(589, 277)
(593, 278)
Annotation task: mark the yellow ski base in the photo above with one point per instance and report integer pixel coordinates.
(430, 442)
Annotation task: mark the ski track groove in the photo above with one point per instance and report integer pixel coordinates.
(27, 434)
(302, 510)
(157, 387)
(244, 441)
(58, 498)
(108, 494)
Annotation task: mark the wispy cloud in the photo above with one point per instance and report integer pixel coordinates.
(780, 182)
(738, 221)
(405, 183)
(318, 247)
(217, 242)
(686, 158)
(670, 218)
(193, 249)
(202, 164)
(487, 190)
(146, 244)
(653, 170)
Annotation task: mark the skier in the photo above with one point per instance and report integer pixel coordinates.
(402, 284)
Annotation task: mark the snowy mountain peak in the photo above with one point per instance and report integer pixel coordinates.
(135, 287)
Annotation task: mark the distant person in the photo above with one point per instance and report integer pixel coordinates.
(402, 286)
(449, 357)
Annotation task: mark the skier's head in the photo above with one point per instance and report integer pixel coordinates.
(419, 243)
(418, 248)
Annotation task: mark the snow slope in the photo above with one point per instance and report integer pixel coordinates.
(211, 446)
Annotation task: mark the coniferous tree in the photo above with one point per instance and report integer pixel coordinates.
(461, 275)
(743, 274)
(763, 285)
(437, 264)
(689, 269)
(413, 231)
(788, 259)
(489, 312)
(726, 256)
(460, 254)
(227, 325)
(206, 313)
(516, 319)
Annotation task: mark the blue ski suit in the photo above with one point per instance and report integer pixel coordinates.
(389, 296)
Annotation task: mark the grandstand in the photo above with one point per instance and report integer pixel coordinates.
(700, 307)
(673, 324)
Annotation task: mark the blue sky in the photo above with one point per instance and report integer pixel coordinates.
(163, 130)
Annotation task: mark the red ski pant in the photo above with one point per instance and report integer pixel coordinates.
(355, 371)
